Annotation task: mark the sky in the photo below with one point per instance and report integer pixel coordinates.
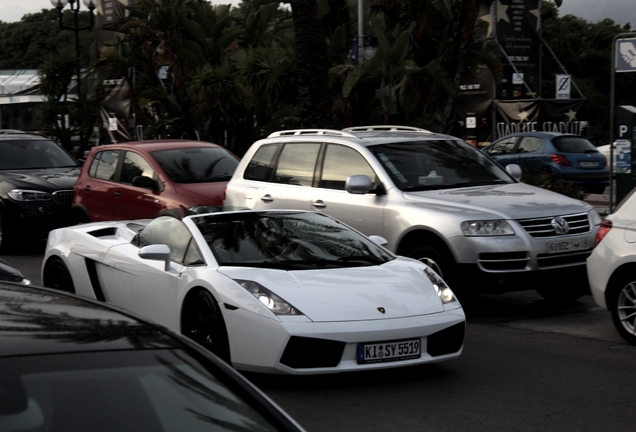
(621, 11)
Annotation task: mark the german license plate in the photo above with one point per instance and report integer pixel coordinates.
(589, 164)
(568, 245)
(389, 351)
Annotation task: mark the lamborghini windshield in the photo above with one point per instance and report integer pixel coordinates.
(288, 240)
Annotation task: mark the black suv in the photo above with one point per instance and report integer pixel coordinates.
(36, 186)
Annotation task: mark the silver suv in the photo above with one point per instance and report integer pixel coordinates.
(433, 197)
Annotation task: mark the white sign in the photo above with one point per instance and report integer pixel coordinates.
(112, 124)
(626, 55)
(517, 78)
(471, 122)
(563, 84)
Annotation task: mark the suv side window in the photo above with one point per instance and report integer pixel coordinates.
(261, 166)
(134, 165)
(341, 162)
(297, 163)
(529, 144)
(503, 147)
(104, 165)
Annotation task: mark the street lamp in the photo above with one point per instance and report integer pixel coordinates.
(75, 7)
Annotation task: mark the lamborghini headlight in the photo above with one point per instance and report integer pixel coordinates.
(478, 228)
(29, 195)
(443, 291)
(277, 305)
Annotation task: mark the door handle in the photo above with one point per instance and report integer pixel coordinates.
(319, 204)
(87, 188)
(117, 193)
(267, 198)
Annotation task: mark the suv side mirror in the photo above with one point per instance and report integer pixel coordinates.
(514, 170)
(358, 184)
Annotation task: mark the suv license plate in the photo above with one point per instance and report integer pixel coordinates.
(589, 164)
(568, 245)
(389, 351)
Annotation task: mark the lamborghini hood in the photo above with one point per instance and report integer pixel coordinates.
(397, 289)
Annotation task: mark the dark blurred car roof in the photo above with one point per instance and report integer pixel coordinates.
(36, 320)
(11, 274)
(157, 145)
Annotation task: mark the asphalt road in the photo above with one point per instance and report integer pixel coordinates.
(527, 365)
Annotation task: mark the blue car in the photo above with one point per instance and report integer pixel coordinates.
(571, 158)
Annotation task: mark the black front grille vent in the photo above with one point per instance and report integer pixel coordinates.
(63, 197)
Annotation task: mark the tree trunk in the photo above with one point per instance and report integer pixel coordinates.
(470, 13)
(312, 68)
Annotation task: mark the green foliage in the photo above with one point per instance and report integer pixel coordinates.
(545, 179)
(585, 50)
(26, 43)
(237, 73)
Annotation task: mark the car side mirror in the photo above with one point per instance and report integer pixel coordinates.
(145, 182)
(379, 240)
(358, 184)
(514, 170)
(159, 252)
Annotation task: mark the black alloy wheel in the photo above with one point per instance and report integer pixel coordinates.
(622, 303)
(57, 276)
(432, 258)
(79, 218)
(201, 321)
(2, 236)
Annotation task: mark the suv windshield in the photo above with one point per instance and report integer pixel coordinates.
(425, 165)
(197, 165)
(33, 154)
(287, 240)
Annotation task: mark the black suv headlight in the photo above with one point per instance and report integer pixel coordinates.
(29, 195)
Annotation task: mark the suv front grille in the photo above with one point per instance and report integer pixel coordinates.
(542, 227)
(63, 197)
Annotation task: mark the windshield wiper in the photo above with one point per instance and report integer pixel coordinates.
(364, 259)
(281, 265)
(416, 188)
(479, 183)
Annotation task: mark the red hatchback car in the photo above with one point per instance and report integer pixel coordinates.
(146, 179)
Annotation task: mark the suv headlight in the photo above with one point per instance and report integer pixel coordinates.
(29, 195)
(277, 305)
(479, 228)
(445, 294)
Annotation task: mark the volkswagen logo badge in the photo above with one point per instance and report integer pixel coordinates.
(560, 225)
(382, 310)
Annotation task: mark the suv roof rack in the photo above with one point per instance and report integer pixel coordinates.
(386, 128)
(297, 132)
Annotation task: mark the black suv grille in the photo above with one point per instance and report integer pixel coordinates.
(542, 227)
(63, 197)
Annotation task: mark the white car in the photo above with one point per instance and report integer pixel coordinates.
(611, 268)
(268, 291)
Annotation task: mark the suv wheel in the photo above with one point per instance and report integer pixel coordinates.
(4, 235)
(432, 258)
